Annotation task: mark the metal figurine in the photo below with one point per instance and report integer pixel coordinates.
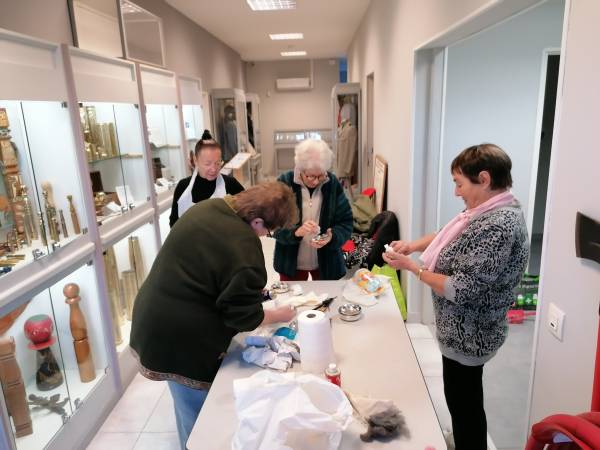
(28, 210)
(74, 218)
(50, 215)
(42, 229)
(63, 224)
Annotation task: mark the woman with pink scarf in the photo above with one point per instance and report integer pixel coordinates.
(472, 266)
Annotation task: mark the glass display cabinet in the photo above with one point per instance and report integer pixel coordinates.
(346, 115)
(165, 130)
(229, 121)
(190, 90)
(41, 210)
(52, 356)
(127, 263)
(110, 117)
(253, 121)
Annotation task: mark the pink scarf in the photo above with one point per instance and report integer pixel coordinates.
(457, 225)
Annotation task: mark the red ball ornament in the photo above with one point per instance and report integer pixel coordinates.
(38, 329)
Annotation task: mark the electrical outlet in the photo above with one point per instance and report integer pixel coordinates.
(556, 319)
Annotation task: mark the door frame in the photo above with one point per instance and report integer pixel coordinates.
(546, 53)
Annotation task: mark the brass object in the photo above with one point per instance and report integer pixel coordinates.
(135, 260)
(99, 202)
(114, 293)
(63, 224)
(130, 290)
(100, 138)
(30, 227)
(74, 218)
(42, 229)
(51, 213)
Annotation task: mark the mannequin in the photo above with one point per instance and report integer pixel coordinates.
(347, 143)
(230, 144)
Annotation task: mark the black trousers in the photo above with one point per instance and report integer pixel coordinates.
(463, 388)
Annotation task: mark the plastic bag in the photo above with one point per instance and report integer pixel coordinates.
(288, 411)
(390, 272)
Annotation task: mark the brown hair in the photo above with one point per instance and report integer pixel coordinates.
(273, 202)
(206, 142)
(489, 157)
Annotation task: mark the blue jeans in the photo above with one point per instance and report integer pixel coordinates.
(188, 403)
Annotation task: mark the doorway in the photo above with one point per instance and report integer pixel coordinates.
(486, 87)
(540, 172)
(367, 168)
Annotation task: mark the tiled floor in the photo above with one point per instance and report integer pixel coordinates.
(144, 418)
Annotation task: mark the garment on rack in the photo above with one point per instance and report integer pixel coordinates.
(230, 142)
(347, 150)
(348, 112)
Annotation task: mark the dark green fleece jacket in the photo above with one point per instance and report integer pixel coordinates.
(204, 287)
(335, 214)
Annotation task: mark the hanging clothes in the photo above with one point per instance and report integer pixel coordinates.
(347, 150)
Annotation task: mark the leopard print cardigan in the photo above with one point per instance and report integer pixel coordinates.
(483, 264)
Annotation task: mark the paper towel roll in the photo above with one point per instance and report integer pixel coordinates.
(316, 343)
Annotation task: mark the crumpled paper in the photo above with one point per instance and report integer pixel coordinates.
(277, 353)
(310, 299)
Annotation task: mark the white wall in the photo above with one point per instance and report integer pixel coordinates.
(492, 89)
(564, 370)
(48, 19)
(290, 110)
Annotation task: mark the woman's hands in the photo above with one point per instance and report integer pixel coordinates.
(281, 314)
(400, 261)
(308, 227)
(322, 242)
(402, 247)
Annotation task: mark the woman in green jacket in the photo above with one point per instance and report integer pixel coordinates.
(204, 287)
(324, 210)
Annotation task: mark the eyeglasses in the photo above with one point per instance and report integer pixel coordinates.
(320, 177)
(216, 165)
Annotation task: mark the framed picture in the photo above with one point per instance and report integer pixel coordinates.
(379, 182)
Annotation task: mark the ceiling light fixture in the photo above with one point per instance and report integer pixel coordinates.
(286, 36)
(271, 5)
(296, 53)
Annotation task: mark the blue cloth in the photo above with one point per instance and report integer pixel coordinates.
(188, 403)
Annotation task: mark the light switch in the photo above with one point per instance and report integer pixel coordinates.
(556, 319)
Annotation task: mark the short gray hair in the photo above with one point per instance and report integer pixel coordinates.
(313, 154)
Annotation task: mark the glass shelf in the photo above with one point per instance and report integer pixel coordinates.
(41, 356)
(115, 153)
(165, 144)
(127, 263)
(40, 208)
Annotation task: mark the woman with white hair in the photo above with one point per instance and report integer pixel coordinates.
(313, 245)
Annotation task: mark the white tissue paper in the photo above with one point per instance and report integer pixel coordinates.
(354, 294)
(279, 353)
(310, 299)
(288, 411)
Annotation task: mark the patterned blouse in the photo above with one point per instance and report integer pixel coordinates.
(483, 264)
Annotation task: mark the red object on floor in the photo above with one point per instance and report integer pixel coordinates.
(518, 315)
(596, 385)
(369, 192)
(348, 246)
(583, 430)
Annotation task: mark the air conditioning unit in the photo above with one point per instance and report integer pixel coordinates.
(293, 84)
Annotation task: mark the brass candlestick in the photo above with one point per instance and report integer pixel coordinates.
(63, 224)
